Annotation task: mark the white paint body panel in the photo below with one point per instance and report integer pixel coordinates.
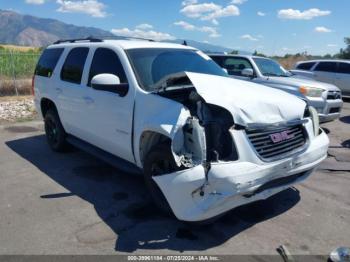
(116, 125)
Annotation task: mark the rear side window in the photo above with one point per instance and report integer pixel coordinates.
(106, 61)
(73, 67)
(344, 68)
(48, 61)
(327, 67)
(305, 66)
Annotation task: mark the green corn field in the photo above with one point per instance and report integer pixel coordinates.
(16, 70)
(17, 64)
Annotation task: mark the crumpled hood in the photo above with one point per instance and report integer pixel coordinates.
(298, 81)
(248, 103)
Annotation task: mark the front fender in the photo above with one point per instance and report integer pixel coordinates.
(156, 114)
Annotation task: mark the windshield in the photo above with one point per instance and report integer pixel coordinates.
(270, 67)
(153, 64)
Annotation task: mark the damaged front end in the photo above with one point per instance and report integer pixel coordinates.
(205, 137)
(217, 150)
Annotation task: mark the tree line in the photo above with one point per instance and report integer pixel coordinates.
(344, 53)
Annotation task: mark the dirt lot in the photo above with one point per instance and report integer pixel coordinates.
(75, 204)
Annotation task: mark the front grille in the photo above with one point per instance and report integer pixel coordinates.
(333, 95)
(271, 144)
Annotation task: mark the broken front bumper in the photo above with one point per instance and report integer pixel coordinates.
(232, 184)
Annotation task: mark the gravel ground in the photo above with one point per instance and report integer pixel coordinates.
(13, 109)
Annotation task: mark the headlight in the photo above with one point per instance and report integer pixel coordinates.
(315, 120)
(311, 91)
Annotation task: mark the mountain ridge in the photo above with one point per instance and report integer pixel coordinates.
(27, 30)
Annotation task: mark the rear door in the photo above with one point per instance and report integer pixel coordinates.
(71, 93)
(326, 72)
(111, 115)
(343, 78)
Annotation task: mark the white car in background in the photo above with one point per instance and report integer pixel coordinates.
(335, 72)
(326, 98)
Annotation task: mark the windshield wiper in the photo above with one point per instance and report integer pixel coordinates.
(272, 74)
(171, 88)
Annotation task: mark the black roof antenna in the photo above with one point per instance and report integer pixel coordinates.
(184, 43)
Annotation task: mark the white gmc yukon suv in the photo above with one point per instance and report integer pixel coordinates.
(205, 143)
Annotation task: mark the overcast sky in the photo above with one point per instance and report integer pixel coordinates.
(269, 26)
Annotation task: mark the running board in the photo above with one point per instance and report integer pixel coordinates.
(112, 160)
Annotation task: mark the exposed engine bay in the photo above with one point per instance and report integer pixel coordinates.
(205, 136)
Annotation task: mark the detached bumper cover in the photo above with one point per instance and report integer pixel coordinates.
(232, 184)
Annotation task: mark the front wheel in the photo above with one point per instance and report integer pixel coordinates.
(159, 161)
(55, 134)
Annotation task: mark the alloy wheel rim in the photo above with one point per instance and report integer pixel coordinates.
(52, 131)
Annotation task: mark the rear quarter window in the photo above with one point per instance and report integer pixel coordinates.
(48, 61)
(344, 68)
(306, 66)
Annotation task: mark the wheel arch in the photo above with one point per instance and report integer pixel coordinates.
(149, 139)
(45, 105)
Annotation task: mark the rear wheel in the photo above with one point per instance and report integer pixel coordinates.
(159, 161)
(55, 134)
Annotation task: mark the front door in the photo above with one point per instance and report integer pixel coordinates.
(111, 115)
(235, 66)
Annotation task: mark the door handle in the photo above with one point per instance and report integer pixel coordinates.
(59, 90)
(88, 100)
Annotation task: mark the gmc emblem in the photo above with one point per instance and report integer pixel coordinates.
(282, 136)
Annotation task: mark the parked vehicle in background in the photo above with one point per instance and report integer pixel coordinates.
(326, 98)
(205, 143)
(335, 72)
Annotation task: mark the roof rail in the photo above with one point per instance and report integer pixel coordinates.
(120, 37)
(88, 39)
(101, 38)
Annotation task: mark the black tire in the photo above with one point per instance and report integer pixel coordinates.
(55, 134)
(159, 161)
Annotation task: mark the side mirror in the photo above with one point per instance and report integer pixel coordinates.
(248, 72)
(109, 83)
